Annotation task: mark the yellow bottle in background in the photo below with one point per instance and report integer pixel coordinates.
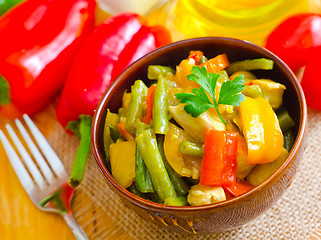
(244, 19)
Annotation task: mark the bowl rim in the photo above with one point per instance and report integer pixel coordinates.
(269, 181)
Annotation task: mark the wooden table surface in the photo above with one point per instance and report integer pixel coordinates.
(20, 219)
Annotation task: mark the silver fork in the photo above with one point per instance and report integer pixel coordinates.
(47, 186)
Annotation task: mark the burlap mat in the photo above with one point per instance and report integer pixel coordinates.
(295, 216)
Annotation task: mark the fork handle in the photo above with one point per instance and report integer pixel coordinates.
(75, 227)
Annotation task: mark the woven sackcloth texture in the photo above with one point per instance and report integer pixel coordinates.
(297, 215)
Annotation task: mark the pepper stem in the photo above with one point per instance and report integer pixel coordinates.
(78, 168)
(4, 91)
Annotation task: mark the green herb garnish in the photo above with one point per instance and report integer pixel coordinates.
(198, 101)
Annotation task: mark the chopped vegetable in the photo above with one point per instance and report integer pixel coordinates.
(288, 140)
(261, 130)
(250, 64)
(216, 64)
(111, 119)
(252, 91)
(154, 71)
(149, 104)
(219, 160)
(178, 183)
(184, 165)
(198, 57)
(136, 108)
(285, 121)
(196, 127)
(192, 149)
(262, 171)
(124, 132)
(160, 107)
(271, 91)
(123, 154)
(176, 201)
(240, 187)
(147, 145)
(182, 71)
(242, 167)
(203, 195)
(143, 180)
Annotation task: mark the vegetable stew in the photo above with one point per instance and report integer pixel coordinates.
(199, 134)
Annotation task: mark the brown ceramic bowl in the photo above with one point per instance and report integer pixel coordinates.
(224, 215)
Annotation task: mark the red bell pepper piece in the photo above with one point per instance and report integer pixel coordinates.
(196, 55)
(39, 39)
(219, 160)
(240, 187)
(108, 50)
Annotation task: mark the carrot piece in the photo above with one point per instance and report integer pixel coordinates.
(126, 134)
(149, 102)
(216, 64)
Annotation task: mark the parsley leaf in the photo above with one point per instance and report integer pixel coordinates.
(198, 101)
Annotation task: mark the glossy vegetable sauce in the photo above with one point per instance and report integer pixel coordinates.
(202, 133)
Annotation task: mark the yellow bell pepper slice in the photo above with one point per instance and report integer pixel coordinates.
(182, 71)
(261, 130)
(122, 161)
(184, 165)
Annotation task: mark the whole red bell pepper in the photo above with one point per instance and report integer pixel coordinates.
(109, 49)
(39, 39)
(219, 160)
(296, 39)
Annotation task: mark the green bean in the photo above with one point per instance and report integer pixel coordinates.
(153, 197)
(148, 196)
(252, 91)
(192, 149)
(147, 145)
(134, 190)
(160, 112)
(113, 132)
(251, 64)
(122, 112)
(136, 108)
(179, 185)
(263, 171)
(155, 70)
(285, 121)
(176, 201)
(142, 180)
(4, 91)
(288, 140)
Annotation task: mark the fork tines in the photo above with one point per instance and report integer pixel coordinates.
(48, 168)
